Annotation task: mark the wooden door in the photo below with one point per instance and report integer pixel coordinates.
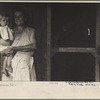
(83, 44)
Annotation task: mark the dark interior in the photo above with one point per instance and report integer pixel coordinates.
(70, 24)
(73, 67)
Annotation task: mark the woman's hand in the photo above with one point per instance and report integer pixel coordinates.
(8, 51)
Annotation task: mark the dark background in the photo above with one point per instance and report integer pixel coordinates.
(70, 24)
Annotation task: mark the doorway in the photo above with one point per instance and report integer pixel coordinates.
(73, 30)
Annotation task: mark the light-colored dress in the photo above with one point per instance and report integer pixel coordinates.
(23, 62)
(6, 34)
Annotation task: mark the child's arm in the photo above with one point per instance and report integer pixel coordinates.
(6, 36)
(5, 42)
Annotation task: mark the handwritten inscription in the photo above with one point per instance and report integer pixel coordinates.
(82, 83)
(58, 83)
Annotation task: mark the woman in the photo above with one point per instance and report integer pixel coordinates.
(23, 48)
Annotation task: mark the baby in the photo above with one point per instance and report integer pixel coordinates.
(6, 34)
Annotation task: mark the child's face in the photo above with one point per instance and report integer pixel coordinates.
(3, 21)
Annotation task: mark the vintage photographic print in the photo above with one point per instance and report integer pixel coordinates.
(50, 49)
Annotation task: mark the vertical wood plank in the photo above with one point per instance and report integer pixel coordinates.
(97, 57)
(48, 42)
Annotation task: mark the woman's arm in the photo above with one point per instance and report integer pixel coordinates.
(25, 48)
(29, 47)
(5, 42)
(11, 49)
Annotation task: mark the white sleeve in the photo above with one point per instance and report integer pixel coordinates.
(4, 34)
(32, 36)
(10, 34)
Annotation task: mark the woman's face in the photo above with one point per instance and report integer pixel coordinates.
(19, 18)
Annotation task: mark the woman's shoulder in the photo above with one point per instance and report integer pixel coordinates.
(30, 28)
(30, 31)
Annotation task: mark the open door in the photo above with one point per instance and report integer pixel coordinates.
(74, 39)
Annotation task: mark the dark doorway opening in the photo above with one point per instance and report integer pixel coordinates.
(73, 25)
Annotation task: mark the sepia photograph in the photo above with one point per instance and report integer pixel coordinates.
(50, 42)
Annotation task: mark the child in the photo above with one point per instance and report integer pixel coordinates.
(6, 35)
